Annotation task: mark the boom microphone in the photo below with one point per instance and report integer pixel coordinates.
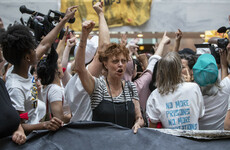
(23, 10)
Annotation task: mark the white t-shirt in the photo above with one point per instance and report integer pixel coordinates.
(216, 107)
(178, 110)
(55, 93)
(78, 100)
(23, 94)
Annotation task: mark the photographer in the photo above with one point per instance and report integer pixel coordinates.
(19, 49)
(227, 118)
(215, 91)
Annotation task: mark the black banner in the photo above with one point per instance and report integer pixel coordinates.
(107, 136)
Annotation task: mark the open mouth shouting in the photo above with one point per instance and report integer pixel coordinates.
(120, 71)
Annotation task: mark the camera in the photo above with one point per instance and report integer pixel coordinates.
(223, 42)
(42, 24)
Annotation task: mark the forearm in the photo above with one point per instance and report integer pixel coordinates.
(160, 49)
(138, 116)
(48, 40)
(176, 46)
(61, 47)
(227, 121)
(31, 127)
(152, 125)
(104, 36)
(65, 57)
(66, 78)
(80, 55)
(95, 67)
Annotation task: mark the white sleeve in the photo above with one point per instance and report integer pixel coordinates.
(17, 98)
(152, 61)
(151, 111)
(55, 94)
(225, 85)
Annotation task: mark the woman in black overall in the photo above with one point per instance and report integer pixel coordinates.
(112, 99)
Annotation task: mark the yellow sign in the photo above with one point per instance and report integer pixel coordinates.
(214, 33)
(117, 12)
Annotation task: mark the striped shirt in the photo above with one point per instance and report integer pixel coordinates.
(100, 92)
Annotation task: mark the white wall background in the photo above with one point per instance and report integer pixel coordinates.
(166, 15)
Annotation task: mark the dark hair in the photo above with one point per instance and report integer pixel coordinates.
(139, 68)
(16, 42)
(152, 85)
(47, 67)
(187, 51)
(190, 58)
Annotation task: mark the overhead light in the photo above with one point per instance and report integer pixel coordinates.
(140, 35)
(202, 35)
(141, 48)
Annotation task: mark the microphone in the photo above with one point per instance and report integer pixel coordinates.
(222, 29)
(23, 9)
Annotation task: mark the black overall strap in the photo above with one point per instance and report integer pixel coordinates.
(126, 106)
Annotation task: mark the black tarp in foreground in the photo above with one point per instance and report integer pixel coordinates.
(106, 136)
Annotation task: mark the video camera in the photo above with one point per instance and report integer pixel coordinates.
(42, 24)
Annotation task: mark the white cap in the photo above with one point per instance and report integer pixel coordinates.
(91, 48)
(203, 51)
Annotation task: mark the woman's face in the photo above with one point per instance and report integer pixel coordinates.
(61, 74)
(116, 65)
(185, 68)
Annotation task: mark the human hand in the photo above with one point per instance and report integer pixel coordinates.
(70, 12)
(187, 77)
(135, 127)
(98, 7)
(178, 35)
(165, 40)
(123, 39)
(19, 136)
(53, 124)
(71, 42)
(87, 27)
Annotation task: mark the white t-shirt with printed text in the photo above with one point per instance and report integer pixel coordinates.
(178, 110)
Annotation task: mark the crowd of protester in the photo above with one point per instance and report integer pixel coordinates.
(41, 89)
